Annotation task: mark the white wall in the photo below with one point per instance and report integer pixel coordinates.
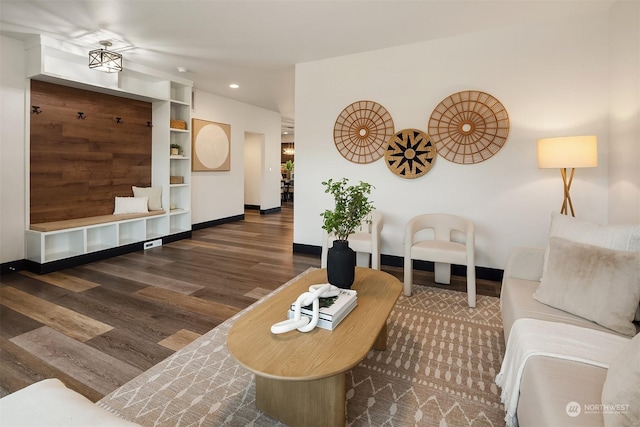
(552, 77)
(218, 195)
(624, 161)
(252, 168)
(13, 203)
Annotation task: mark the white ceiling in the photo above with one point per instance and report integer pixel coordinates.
(256, 43)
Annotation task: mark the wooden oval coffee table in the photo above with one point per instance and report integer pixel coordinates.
(300, 377)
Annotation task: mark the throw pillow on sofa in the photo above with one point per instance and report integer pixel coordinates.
(618, 237)
(621, 390)
(599, 284)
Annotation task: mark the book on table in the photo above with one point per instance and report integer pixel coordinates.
(332, 307)
(332, 310)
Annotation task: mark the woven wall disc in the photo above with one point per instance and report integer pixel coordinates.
(469, 127)
(410, 153)
(361, 131)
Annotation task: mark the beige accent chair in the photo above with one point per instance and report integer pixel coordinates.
(365, 242)
(435, 237)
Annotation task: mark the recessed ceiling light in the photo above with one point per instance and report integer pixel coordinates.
(182, 69)
(234, 86)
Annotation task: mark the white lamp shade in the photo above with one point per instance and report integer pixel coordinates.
(568, 152)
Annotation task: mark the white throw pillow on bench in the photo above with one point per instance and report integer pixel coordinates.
(153, 193)
(131, 205)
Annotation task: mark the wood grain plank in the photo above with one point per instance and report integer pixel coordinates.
(95, 157)
(189, 303)
(71, 323)
(62, 280)
(91, 367)
(178, 340)
(21, 368)
(145, 277)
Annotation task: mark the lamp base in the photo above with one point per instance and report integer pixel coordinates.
(567, 204)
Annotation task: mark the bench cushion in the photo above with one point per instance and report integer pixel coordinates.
(84, 222)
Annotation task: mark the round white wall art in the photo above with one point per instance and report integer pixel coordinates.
(211, 146)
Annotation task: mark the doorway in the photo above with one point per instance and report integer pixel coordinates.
(253, 165)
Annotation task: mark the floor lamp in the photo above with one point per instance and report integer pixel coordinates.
(568, 152)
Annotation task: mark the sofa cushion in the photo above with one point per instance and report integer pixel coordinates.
(599, 284)
(557, 392)
(621, 390)
(517, 302)
(50, 403)
(618, 237)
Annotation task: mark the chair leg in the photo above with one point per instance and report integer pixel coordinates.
(408, 275)
(471, 285)
(375, 261)
(442, 272)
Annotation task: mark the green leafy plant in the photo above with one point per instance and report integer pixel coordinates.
(288, 166)
(176, 146)
(351, 210)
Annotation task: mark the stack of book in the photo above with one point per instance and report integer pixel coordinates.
(332, 310)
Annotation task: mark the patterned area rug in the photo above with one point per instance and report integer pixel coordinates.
(438, 370)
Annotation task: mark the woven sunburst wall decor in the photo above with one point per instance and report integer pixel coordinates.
(410, 154)
(361, 131)
(469, 127)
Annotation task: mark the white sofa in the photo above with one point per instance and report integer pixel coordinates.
(50, 403)
(555, 390)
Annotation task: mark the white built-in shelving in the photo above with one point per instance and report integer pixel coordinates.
(170, 97)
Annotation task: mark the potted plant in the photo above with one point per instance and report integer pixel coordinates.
(175, 149)
(288, 167)
(352, 208)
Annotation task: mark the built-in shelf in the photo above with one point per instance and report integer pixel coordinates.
(170, 98)
(44, 247)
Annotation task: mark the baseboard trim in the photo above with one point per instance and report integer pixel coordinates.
(215, 222)
(484, 273)
(11, 266)
(270, 211)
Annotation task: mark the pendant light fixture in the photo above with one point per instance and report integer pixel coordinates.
(105, 60)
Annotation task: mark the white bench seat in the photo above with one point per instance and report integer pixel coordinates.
(92, 220)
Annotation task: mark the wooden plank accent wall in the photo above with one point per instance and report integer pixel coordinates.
(79, 166)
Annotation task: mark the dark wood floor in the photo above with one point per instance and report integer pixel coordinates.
(98, 325)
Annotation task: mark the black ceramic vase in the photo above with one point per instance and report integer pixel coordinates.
(341, 264)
